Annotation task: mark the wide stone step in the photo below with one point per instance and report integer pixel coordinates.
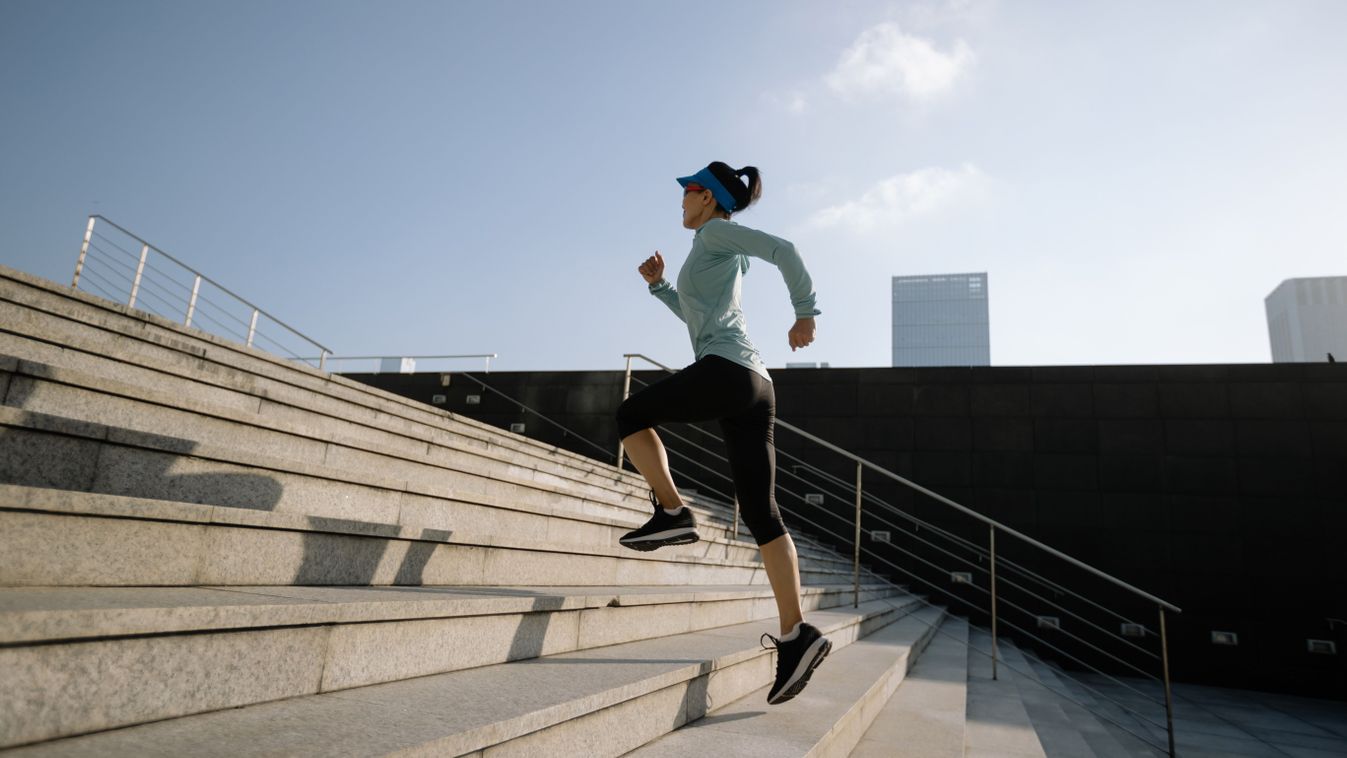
(997, 725)
(169, 431)
(62, 538)
(72, 330)
(304, 438)
(32, 615)
(927, 714)
(40, 450)
(599, 702)
(125, 656)
(828, 719)
(55, 453)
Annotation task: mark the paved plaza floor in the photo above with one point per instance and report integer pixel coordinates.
(1212, 721)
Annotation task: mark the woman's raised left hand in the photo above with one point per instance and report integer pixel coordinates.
(802, 333)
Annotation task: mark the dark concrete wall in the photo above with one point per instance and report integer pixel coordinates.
(1222, 489)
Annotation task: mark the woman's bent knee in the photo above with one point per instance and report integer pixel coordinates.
(765, 528)
(630, 419)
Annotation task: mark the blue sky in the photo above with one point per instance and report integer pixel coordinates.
(445, 177)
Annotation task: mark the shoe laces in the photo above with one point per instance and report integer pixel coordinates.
(776, 645)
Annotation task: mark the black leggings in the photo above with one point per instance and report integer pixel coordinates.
(744, 403)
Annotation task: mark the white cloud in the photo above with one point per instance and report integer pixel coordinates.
(795, 102)
(901, 198)
(886, 61)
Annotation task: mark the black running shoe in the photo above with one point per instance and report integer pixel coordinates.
(662, 530)
(795, 661)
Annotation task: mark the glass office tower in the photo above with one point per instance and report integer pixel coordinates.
(1307, 319)
(941, 320)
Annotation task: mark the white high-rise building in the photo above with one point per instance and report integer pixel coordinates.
(941, 320)
(1307, 319)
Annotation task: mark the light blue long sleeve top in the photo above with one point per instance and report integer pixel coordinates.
(710, 283)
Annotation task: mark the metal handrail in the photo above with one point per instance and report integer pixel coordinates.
(194, 307)
(191, 306)
(975, 549)
(979, 589)
(872, 555)
(980, 552)
(963, 509)
(903, 570)
(1002, 580)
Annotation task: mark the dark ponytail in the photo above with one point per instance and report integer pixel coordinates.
(744, 196)
(754, 185)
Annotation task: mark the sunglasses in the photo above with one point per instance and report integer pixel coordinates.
(693, 188)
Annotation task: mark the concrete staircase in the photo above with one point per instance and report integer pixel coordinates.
(204, 547)
(207, 550)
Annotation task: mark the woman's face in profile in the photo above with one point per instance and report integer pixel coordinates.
(695, 200)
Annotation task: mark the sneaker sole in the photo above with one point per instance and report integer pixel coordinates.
(799, 685)
(645, 546)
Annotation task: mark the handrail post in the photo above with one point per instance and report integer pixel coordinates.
(322, 360)
(252, 328)
(140, 272)
(736, 517)
(191, 306)
(993, 560)
(856, 559)
(84, 252)
(1169, 697)
(626, 391)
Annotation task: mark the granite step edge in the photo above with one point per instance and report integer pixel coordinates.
(31, 615)
(468, 460)
(271, 368)
(100, 505)
(463, 711)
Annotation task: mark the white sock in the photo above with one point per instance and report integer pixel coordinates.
(794, 632)
(675, 511)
